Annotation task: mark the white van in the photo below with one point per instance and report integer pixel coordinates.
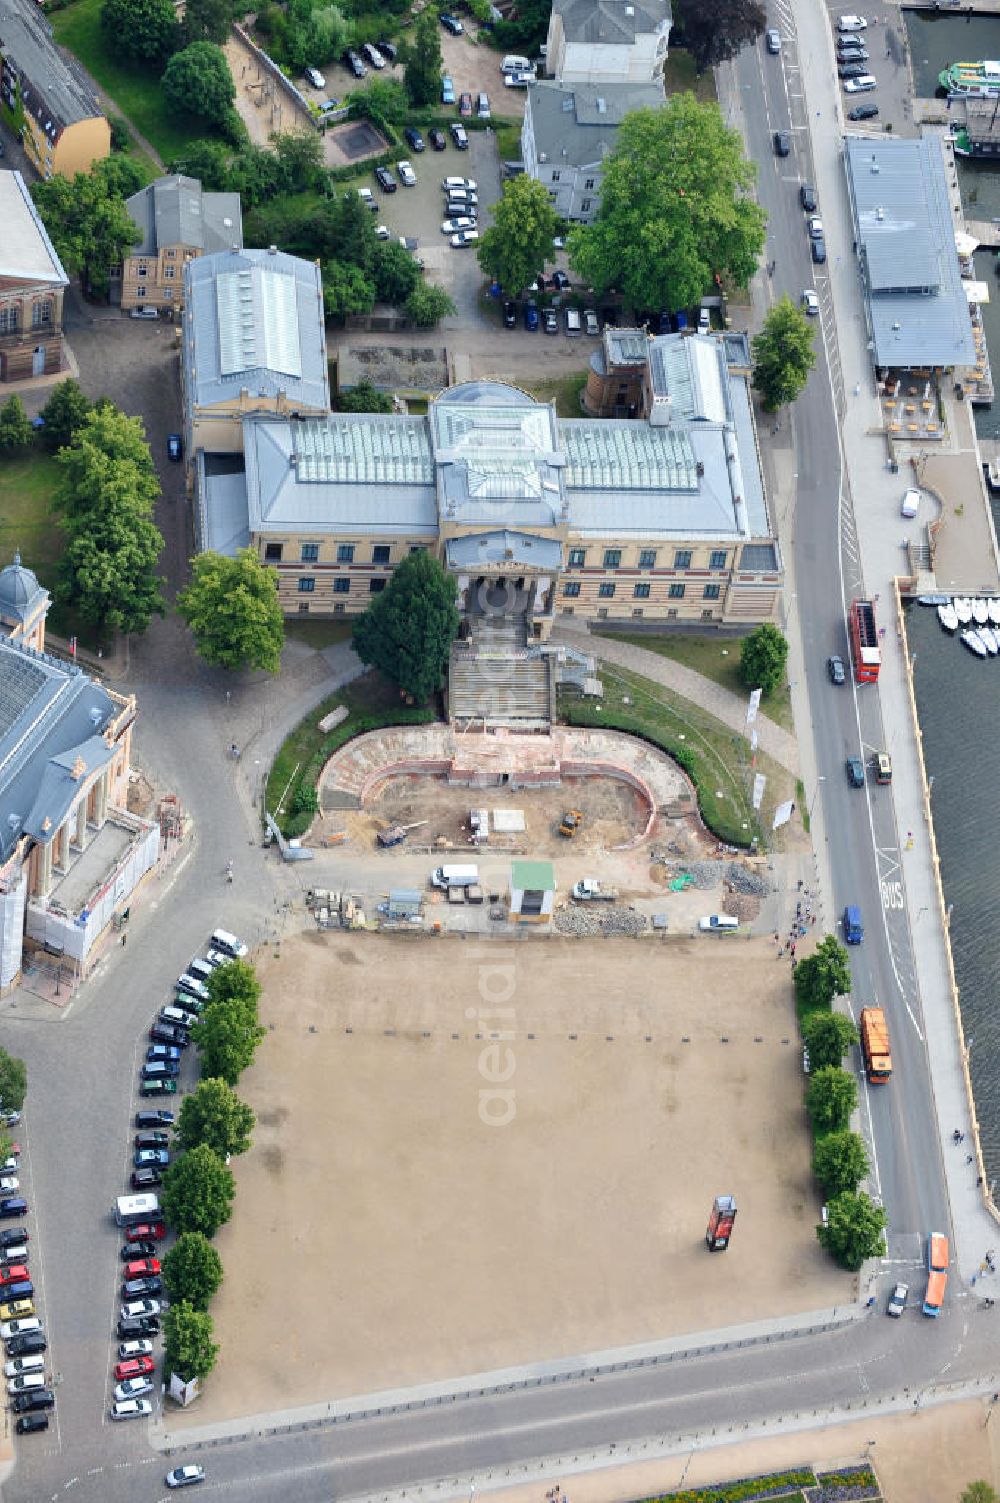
(132, 1208)
(228, 943)
(910, 503)
(718, 923)
(455, 876)
(514, 64)
(861, 85)
(852, 23)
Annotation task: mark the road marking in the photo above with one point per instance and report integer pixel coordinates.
(892, 895)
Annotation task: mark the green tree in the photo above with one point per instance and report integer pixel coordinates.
(979, 1492)
(364, 398)
(87, 221)
(827, 1036)
(346, 289)
(676, 208)
(518, 244)
(189, 1350)
(209, 162)
(823, 975)
(16, 431)
(830, 1099)
(527, 33)
(198, 82)
(207, 20)
(783, 355)
(144, 31)
(394, 271)
(300, 160)
(197, 1192)
(120, 175)
(213, 1114)
(236, 981)
(407, 631)
(422, 60)
(192, 1271)
(350, 231)
(227, 1036)
(855, 1229)
(13, 1082)
(840, 1163)
(715, 30)
(763, 655)
(121, 138)
(65, 413)
(383, 100)
(329, 34)
(427, 305)
(232, 608)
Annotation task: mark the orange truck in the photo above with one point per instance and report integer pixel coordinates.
(865, 652)
(875, 1045)
(937, 1273)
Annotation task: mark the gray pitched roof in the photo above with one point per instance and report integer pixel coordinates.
(610, 21)
(254, 320)
(21, 595)
(904, 226)
(26, 252)
(176, 211)
(54, 87)
(577, 123)
(51, 720)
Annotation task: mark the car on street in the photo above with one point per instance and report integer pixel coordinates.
(14, 1273)
(452, 25)
(146, 1231)
(33, 1364)
(18, 1309)
(815, 227)
(852, 50)
(13, 1205)
(591, 324)
(436, 138)
(185, 1476)
(772, 41)
(447, 89)
(851, 69)
(133, 1367)
(154, 1069)
(459, 136)
(162, 1051)
(465, 104)
(851, 23)
(835, 669)
(134, 1288)
(23, 1346)
(407, 176)
(550, 321)
(152, 1139)
(130, 1349)
(509, 314)
(133, 1388)
(818, 248)
(41, 1398)
(385, 180)
(807, 198)
(126, 1409)
(140, 1309)
(863, 112)
(26, 1382)
(154, 1119)
(138, 1250)
(143, 1325)
(464, 239)
(861, 85)
(169, 1033)
(28, 1424)
(810, 303)
(10, 1236)
(413, 138)
(855, 769)
(151, 1158)
(175, 447)
(146, 1179)
(456, 226)
(138, 1267)
(20, 1326)
(897, 1300)
(782, 143)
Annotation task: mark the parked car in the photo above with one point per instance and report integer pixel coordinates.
(26, 1382)
(447, 90)
(461, 184)
(152, 1139)
(815, 227)
(456, 226)
(10, 1236)
(436, 138)
(389, 50)
(851, 23)
(861, 85)
(368, 198)
(413, 138)
(782, 143)
(452, 25)
(133, 1367)
(140, 1309)
(855, 770)
(807, 198)
(185, 1476)
(28, 1424)
(463, 239)
(531, 316)
(852, 50)
(175, 447)
(810, 303)
(13, 1205)
(509, 314)
(126, 1409)
(519, 80)
(818, 248)
(138, 1250)
(168, 1033)
(162, 1051)
(136, 1288)
(19, 1365)
(192, 986)
(154, 1119)
(138, 1267)
(22, 1346)
(550, 321)
(407, 176)
(772, 40)
(180, 1017)
(13, 1273)
(146, 1231)
(483, 106)
(863, 112)
(591, 324)
(835, 669)
(28, 1403)
(141, 1325)
(373, 56)
(18, 1309)
(130, 1349)
(160, 1069)
(459, 136)
(315, 77)
(851, 69)
(146, 1179)
(354, 64)
(144, 313)
(385, 180)
(704, 321)
(20, 1326)
(465, 104)
(573, 321)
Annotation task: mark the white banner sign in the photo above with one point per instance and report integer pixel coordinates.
(753, 706)
(753, 741)
(782, 814)
(759, 784)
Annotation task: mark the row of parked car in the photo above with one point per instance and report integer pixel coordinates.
(21, 1329)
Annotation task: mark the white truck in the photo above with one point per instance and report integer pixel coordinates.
(130, 1209)
(455, 876)
(589, 890)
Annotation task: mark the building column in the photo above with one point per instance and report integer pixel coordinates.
(101, 801)
(61, 843)
(44, 869)
(81, 824)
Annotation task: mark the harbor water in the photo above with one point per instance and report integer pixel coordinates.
(958, 703)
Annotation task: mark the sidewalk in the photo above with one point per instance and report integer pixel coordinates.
(727, 707)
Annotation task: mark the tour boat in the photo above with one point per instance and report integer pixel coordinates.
(971, 80)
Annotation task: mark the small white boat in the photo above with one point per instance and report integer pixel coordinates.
(935, 600)
(963, 609)
(993, 606)
(974, 643)
(948, 617)
(989, 638)
(980, 611)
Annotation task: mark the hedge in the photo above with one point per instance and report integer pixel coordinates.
(777, 1485)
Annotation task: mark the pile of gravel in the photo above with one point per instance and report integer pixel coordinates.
(599, 918)
(741, 879)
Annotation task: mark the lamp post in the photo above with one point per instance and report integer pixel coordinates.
(812, 802)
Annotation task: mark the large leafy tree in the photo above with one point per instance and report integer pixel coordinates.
(407, 631)
(65, 412)
(197, 1192)
(232, 608)
(840, 1162)
(783, 355)
(823, 975)
(763, 655)
(198, 82)
(16, 431)
(827, 1036)
(144, 31)
(383, 100)
(228, 1032)
(715, 30)
(422, 60)
(192, 1270)
(300, 160)
(346, 289)
(105, 496)
(13, 1082)
(189, 1349)
(395, 272)
(427, 305)
(518, 244)
(207, 20)
(855, 1229)
(830, 1099)
(363, 398)
(676, 209)
(213, 1114)
(87, 221)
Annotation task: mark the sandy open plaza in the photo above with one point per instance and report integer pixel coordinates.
(421, 1202)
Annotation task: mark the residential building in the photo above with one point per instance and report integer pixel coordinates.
(45, 96)
(608, 41)
(177, 222)
(254, 341)
(32, 284)
(569, 129)
(70, 852)
(662, 518)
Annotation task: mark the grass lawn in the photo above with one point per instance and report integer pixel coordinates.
(716, 658)
(679, 77)
(319, 633)
(135, 92)
(27, 485)
(565, 392)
